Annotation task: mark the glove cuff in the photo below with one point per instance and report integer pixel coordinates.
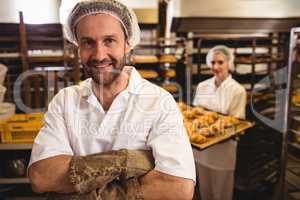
(134, 189)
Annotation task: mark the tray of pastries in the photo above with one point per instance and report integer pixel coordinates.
(206, 128)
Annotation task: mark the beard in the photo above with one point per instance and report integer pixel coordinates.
(106, 75)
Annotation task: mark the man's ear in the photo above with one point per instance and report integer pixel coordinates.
(127, 47)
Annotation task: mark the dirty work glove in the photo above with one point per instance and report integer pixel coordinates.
(88, 173)
(74, 196)
(115, 190)
(127, 190)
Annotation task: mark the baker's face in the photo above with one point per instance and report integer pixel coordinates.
(220, 66)
(102, 47)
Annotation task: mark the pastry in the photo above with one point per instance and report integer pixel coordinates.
(197, 138)
(182, 106)
(190, 128)
(201, 122)
(198, 110)
(230, 121)
(211, 114)
(209, 119)
(188, 114)
(205, 132)
(217, 128)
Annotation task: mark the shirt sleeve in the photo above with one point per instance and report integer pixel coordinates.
(169, 142)
(197, 95)
(203, 94)
(238, 105)
(52, 139)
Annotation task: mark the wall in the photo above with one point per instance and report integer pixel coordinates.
(237, 8)
(46, 11)
(144, 8)
(34, 11)
(141, 3)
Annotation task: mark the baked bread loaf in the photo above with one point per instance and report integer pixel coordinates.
(167, 58)
(170, 73)
(148, 74)
(144, 59)
(172, 88)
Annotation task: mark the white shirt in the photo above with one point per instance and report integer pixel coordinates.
(229, 98)
(143, 116)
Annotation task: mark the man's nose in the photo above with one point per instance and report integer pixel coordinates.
(100, 51)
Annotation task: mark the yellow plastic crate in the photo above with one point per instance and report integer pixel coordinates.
(21, 128)
(26, 117)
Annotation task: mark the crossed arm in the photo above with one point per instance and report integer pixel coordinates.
(51, 175)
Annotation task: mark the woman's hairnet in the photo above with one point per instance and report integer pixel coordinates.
(123, 14)
(225, 51)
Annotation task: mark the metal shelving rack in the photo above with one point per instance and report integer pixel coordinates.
(259, 151)
(174, 47)
(14, 147)
(7, 146)
(251, 53)
(6, 181)
(291, 147)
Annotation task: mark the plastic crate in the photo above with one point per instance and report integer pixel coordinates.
(26, 117)
(21, 128)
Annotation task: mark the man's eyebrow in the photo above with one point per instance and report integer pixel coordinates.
(86, 38)
(111, 36)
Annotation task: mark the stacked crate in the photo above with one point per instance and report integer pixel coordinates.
(21, 128)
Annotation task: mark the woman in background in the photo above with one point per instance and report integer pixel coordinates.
(221, 94)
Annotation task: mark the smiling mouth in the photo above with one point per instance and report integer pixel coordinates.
(103, 68)
(103, 65)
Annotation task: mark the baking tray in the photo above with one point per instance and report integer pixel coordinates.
(229, 132)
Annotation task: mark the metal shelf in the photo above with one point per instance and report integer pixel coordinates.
(295, 132)
(295, 145)
(23, 180)
(15, 146)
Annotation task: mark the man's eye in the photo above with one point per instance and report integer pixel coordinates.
(109, 41)
(87, 43)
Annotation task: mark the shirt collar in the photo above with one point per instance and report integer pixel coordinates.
(86, 88)
(135, 82)
(224, 83)
(134, 85)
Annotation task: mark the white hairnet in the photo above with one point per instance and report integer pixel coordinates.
(225, 51)
(116, 9)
